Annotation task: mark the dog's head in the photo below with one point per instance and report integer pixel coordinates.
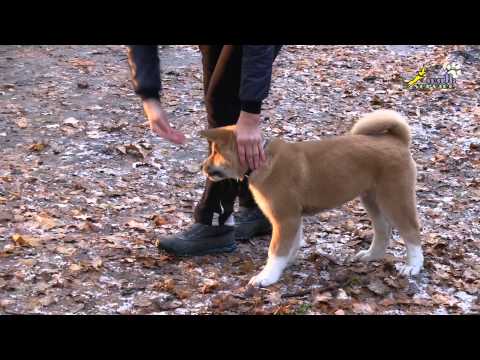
(223, 162)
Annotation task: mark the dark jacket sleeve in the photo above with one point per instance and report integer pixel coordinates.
(145, 69)
(257, 63)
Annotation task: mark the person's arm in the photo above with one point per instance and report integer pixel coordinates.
(255, 83)
(145, 69)
(257, 63)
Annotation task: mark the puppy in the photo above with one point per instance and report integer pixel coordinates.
(304, 178)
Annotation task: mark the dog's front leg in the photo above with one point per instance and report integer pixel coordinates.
(283, 247)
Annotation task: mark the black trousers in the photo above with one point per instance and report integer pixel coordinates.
(221, 80)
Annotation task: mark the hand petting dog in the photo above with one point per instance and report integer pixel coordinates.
(249, 140)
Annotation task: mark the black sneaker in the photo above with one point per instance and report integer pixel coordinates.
(200, 239)
(250, 223)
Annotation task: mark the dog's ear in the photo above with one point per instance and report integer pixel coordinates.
(221, 134)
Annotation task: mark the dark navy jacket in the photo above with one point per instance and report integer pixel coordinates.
(256, 73)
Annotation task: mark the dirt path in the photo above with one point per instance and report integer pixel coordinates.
(86, 189)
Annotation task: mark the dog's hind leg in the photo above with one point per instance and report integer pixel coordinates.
(286, 238)
(400, 208)
(382, 231)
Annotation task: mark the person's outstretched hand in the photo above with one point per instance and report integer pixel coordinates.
(157, 117)
(249, 140)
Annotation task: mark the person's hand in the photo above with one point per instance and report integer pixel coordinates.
(249, 140)
(157, 117)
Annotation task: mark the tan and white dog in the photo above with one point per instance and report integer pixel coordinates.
(304, 178)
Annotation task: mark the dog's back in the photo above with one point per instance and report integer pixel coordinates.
(376, 149)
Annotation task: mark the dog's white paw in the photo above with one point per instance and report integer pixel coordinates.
(367, 255)
(414, 261)
(263, 279)
(410, 270)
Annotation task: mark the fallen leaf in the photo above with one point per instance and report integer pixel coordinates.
(28, 262)
(166, 303)
(5, 303)
(6, 216)
(377, 286)
(387, 302)
(158, 220)
(362, 308)
(75, 267)
(132, 149)
(97, 263)
(324, 297)
(22, 123)
(47, 300)
(339, 312)
(444, 300)
(142, 301)
(37, 147)
(25, 240)
(182, 293)
(88, 226)
(65, 250)
(169, 284)
(71, 121)
(46, 222)
(41, 287)
(122, 149)
(136, 225)
(274, 297)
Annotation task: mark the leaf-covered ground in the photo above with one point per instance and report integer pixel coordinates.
(86, 189)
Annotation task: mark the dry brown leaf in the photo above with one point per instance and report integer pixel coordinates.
(75, 267)
(41, 287)
(158, 220)
(28, 262)
(443, 300)
(65, 250)
(97, 263)
(5, 303)
(362, 308)
(122, 149)
(22, 123)
(209, 286)
(387, 302)
(324, 297)
(142, 301)
(46, 222)
(132, 149)
(88, 226)
(37, 147)
(6, 216)
(275, 297)
(377, 286)
(25, 240)
(47, 300)
(137, 225)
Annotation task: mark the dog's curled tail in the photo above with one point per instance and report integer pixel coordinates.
(383, 121)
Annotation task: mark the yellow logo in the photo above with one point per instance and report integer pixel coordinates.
(419, 76)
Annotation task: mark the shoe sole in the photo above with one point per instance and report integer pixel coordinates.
(225, 249)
